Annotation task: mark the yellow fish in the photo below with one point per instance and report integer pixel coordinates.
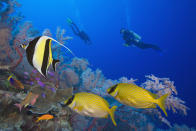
(45, 117)
(135, 96)
(92, 105)
(39, 53)
(16, 83)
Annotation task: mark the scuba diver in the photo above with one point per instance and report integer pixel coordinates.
(133, 39)
(78, 32)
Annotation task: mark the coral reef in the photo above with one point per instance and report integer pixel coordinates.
(162, 86)
(12, 35)
(60, 35)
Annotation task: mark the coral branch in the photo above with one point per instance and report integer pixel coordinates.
(19, 60)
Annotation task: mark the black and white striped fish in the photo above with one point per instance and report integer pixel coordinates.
(39, 53)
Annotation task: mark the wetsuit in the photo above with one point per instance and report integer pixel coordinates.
(131, 39)
(79, 33)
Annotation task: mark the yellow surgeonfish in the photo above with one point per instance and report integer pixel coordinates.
(135, 96)
(92, 105)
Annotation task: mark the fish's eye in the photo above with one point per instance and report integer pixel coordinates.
(112, 89)
(70, 100)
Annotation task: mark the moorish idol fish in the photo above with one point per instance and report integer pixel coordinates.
(39, 53)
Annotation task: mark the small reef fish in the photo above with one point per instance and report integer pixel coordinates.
(16, 83)
(135, 96)
(29, 99)
(45, 117)
(92, 105)
(39, 53)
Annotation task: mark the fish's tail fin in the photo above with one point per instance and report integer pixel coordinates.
(61, 45)
(38, 119)
(10, 77)
(19, 106)
(112, 110)
(54, 62)
(161, 102)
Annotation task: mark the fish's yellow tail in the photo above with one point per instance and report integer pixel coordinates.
(161, 102)
(10, 77)
(112, 110)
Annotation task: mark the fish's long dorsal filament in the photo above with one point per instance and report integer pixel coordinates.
(60, 44)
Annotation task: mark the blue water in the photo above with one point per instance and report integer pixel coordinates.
(169, 24)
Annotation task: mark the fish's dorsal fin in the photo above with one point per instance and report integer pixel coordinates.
(47, 37)
(80, 108)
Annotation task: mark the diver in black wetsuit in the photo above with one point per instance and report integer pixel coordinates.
(131, 38)
(79, 33)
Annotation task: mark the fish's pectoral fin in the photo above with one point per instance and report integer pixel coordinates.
(73, 105)
(131, 100)
(54, 62)
(116, 94)
(80, 108)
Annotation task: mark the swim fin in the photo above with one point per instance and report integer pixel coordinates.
(69, 21)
